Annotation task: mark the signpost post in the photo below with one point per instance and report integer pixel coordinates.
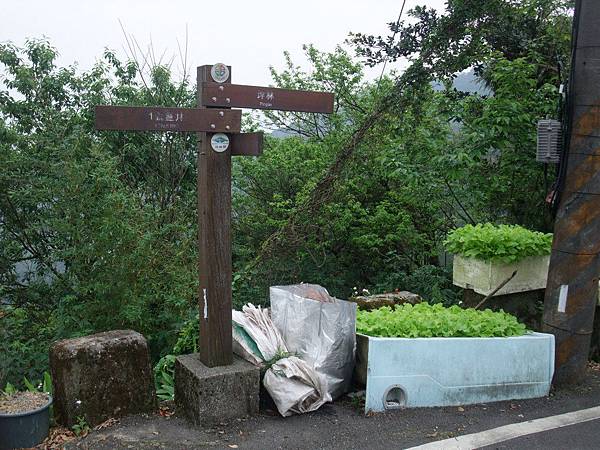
(219, 138)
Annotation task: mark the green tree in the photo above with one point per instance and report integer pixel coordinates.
(97, 230)
(381, 217)
(520, 50)
(490, 162)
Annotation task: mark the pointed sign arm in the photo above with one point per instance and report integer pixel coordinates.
(247, 144)
(257, 97)
(136, 118)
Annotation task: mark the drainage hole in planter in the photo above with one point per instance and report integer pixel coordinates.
(395, 398)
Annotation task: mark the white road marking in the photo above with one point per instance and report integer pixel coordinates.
(515, 430)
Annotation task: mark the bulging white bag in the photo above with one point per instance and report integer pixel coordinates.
(318, 328)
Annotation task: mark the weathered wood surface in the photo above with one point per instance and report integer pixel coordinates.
(246, 144)
(137, 118)
(214, 240)
(257, 97)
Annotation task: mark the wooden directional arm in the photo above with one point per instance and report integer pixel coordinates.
(256, 97)
(167, 119)
(247, 144)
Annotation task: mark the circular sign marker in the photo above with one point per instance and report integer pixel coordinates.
(219, 142)
(219, 72)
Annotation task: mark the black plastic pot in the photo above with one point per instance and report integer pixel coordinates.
(26, 429)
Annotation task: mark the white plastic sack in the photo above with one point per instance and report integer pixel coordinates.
(318, 328)
(295, 386)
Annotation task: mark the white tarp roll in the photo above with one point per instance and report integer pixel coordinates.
(318, 328)
(257, 323)
(295, 386)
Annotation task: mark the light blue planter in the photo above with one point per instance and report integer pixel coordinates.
(417, 372)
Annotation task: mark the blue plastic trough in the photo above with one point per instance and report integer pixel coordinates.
(416, 372)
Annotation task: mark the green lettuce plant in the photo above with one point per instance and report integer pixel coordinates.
(425, 320)
(498, 243)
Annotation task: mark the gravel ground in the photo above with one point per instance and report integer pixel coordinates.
(20, 402)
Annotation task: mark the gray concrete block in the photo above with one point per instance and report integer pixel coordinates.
(101, 376)
(207, 395)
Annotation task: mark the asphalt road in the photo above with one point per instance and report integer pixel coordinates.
(582, 436)
(343, 425)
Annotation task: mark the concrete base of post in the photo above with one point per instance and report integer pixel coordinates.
(208, 395)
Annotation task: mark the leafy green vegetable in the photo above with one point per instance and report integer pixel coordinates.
(425, 320)
(499, 243)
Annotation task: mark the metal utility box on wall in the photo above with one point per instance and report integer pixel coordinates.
(549, 141)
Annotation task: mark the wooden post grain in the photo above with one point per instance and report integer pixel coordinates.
(214, 244)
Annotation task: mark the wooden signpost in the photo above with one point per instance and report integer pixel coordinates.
(256, 97)
(167, 119)
(219, 138)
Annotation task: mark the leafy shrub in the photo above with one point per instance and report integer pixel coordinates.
(499, 243)
(25, 335)
(425, 320)
(164, 370)
(431, 282)
(163, 377)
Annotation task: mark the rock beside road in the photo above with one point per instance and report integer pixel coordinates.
(101, 376)
(369, 302)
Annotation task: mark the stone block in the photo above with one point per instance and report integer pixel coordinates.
(370, 302)
(101, 376)
(207, 395)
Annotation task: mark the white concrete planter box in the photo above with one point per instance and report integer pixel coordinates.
(485, 276)
(417, 372)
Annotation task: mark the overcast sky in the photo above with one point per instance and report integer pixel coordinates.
(249, 35)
